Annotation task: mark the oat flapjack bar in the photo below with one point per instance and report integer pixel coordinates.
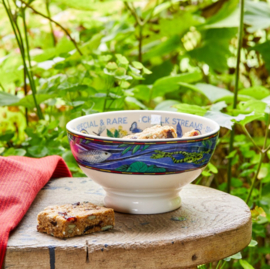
(75, 219)
(154, 132)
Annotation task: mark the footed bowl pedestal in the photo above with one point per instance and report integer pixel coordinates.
(142, 194)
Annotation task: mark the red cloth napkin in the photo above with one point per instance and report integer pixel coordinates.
(21, 178)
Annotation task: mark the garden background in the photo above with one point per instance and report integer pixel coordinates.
(60, 59)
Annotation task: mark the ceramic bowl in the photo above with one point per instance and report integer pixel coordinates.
(141, 176)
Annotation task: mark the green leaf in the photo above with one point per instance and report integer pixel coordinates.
(237, 183)
(122, 59)
(167, 105)
(7, 99)
(263, 171)
(89, 46)
(160, 70)
(75, 103)
(138, 167)
(263, 49)
(163, 48)
(7, 136)
(257, 92)
(191, 109)
(246, 265)
(232, 20)
(73, 167)
(126, 150)
(253, 243)
(257, 212)
(225, 17)
(65, 142)
(53, 124)
(68, 157)
(14, 152)
(135, 101)
(142, 92)
(109, 133)
(229, 99)
(232, 154)
(266, 100)
(264, 250)
(253, 105)
(212, 168)
(257, 107)
(64, 45)
(136, 74)
(247, 172)
(226, 120)
(218, 106)
(235, 159)
(214, 48)
(213, 93)
(111, 66)
(147, 71)
(134, 70)
(137, 65)
(266, 179)
(236, 256)
(257, 15)
(135, 149)
(171, 83)
(124, 84)
(120, 72)
(37, 151)
(206, 173)
(28, 101)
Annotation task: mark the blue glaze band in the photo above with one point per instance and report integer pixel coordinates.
(142, 158)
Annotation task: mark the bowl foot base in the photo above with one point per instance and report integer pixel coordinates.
(146, 203)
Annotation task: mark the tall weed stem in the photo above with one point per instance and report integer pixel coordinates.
(240, 40)
(32, 82)
(19, 40)
(262, 155)
(255, 177)
(50, 22)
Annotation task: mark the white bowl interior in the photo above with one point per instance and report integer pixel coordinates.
(132, 121)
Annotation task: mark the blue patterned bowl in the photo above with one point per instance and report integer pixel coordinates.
(141, 176)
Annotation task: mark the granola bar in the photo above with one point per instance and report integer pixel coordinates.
(191, 133)
(75, 219)
(154, 132)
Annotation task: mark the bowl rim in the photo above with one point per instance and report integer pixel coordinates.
(68, 127)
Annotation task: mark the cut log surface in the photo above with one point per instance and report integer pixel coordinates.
(209, 226)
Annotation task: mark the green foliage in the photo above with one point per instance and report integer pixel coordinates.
(156, 55)
(171, 83)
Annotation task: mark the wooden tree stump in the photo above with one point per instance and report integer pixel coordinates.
(209, 226)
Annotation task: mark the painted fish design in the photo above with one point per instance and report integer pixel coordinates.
(93, 156)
